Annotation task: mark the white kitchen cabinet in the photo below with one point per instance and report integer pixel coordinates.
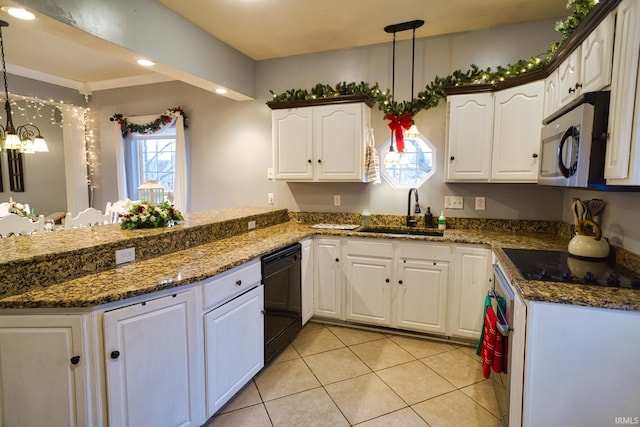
(306, 273)
(516, 133)
(368, 276)
(470, 284)
(328, 289)
(43, 371)
(581, 366)
(152, 363)
(551, 94)
(568, 77)
(622, 158)
(470, 131)
(234, 346)
(423, 281)
(588, 67)
(396, 284)
(320, 143)
(518, 348)
(495, 137)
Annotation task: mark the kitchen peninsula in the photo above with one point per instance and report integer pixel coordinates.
(176, 271)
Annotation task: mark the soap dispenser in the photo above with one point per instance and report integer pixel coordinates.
(442, 221)
(428, 218)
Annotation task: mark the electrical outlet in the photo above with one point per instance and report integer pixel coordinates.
(480, 203)
(337, 200)
(251, 225)
(453, 202)
(125, 255)
(269, 173)
(270, 198)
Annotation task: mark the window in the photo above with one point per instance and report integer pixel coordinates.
(412, 167)
(154, 158)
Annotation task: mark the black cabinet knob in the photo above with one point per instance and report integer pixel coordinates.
(319, 161)
(309, 161)
(534, 155)
(75, 360)
(115, 354)
(578, 85)
(238, 282)
(400, 282)
(387, 280)
(337, 259)
(452, 158)
(571, 90)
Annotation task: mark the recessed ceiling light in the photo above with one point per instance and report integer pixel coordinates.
(20, 13)
(146, 63)
(221, 91)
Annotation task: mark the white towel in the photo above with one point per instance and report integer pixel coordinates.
(371, 162)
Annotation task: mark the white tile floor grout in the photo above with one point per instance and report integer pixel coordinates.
(340, 376)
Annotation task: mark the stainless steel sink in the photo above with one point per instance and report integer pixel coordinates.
(410, 231)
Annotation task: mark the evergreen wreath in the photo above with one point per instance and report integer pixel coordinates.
(150, 127)
(432, 94)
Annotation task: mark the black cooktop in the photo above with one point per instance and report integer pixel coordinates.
(559, 266)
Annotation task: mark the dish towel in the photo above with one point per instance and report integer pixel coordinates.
(487, 303)
(489, 341)
(371, 162)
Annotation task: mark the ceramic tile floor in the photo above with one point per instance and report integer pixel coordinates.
(339, 376)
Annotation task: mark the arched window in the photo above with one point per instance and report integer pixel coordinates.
(413, 166)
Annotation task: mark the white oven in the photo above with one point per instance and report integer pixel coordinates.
(573, 142)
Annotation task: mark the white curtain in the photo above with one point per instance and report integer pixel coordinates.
(181, 189)
(75, 160)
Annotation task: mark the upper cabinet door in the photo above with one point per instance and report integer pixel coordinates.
(470, 128)
(597, 57)
(551, 94)
(569, 77)
(623, 95)
(293, 144)
(516, 136)
(339, 142)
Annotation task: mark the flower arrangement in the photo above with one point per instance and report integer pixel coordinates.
(146, 215)
(19, 209)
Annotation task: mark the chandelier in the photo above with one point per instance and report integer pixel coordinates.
(25, 138)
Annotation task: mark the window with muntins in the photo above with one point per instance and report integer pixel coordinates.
(412, 167)
(155, 159)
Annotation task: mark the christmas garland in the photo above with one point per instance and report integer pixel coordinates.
(150, 127)
(432, 94)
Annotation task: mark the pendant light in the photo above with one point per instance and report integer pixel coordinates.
(404, 122)
(12, 138)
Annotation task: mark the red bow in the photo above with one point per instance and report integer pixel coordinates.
(396, 124)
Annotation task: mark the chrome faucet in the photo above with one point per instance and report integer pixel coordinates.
(412, 222)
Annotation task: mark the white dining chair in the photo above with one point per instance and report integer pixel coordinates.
(86, 218)
(115, 209)
(4, 208)
(13, 224)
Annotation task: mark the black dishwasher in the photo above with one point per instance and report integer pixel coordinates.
(282, 299)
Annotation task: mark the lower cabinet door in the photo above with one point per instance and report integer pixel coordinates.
(422, 295)
(369, 289)
(42, 371)
(151, 363)
(234, 346)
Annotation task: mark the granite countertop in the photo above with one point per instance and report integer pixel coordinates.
(200, 262)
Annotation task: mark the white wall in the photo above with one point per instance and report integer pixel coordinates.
(230, 142)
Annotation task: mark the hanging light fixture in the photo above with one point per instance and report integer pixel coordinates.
(403, 123)
(12, 138)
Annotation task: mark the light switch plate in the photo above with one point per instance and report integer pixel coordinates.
(337, 200)
(453, 202)
(270, 198)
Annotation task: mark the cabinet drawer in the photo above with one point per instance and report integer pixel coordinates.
(424, 251)
(227, 285)
(369, 247)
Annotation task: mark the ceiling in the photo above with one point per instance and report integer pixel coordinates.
(261, 29)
